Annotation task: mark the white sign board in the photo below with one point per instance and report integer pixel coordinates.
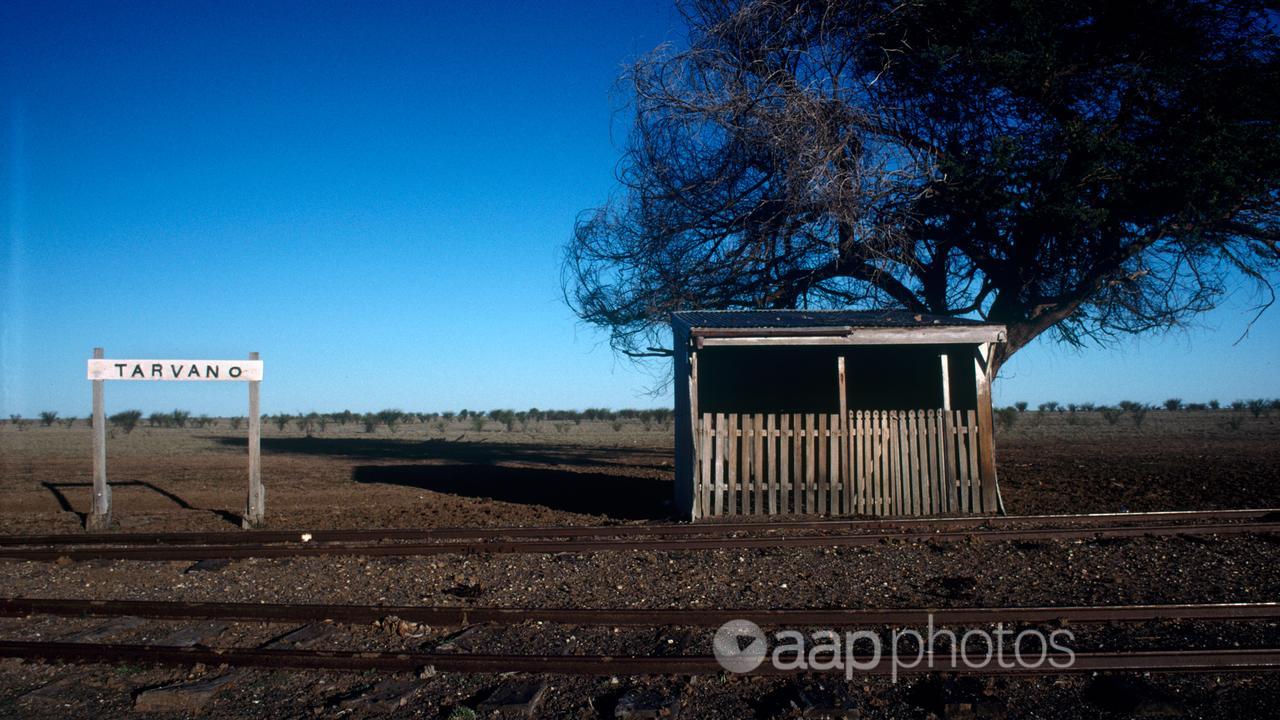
(187, 370)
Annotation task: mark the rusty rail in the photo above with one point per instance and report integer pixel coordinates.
(635, 530)
(207, 552)
(645, 617)
(602, 665)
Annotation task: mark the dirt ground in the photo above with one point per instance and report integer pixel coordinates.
(188, 479)
(419, 476)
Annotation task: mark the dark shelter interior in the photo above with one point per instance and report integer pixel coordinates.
(805, 379)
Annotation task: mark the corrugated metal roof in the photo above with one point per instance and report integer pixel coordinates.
(816, 319)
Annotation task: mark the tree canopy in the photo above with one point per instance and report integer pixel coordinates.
(1085, 167)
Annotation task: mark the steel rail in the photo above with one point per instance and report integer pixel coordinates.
(632, 617)
(603, 665)
(657, 529)
(209, 552)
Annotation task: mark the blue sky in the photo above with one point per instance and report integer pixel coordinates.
(373, 196)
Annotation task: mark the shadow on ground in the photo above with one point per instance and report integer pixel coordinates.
(65, 503)
(628, 498)
(475, 452)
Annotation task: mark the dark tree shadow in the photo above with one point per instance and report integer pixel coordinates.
(478, 452)
(65, 503)
(622, 497)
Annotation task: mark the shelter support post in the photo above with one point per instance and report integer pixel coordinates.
(695, 431)
(986, 427)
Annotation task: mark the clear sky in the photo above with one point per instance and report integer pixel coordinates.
(374, 196)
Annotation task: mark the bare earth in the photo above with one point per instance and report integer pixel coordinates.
(187, 479)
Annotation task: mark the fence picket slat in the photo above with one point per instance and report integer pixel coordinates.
(886, 462)
(784, 462)
(731, 454)
(895, 432)
(904, 467)
(974, 481)
(770, 469)
(913, 460)
(823, 479)
(758, 464)
(717, 502)
(808, 463)
(855, 464)
(705, 442)
(846, 466)
(832, 475)
(927, 459)
(962, 460)
(869, 464)
(797, 464)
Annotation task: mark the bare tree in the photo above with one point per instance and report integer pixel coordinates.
(1087, 167)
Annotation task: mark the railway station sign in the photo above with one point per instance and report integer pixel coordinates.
(102, 369)
(184, 370)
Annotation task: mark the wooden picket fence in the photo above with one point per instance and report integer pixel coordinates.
(911, 462)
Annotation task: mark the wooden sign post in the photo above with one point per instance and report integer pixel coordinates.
(101, 370)
(100, 511)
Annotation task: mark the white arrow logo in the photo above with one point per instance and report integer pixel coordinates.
(740, 646)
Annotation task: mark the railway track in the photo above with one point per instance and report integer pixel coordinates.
(604, 665)
(641, 617)
(275, 656)
(263, 537)
(723, 542)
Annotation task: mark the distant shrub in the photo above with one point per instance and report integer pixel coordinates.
(1258, 407)
(1173, 404)
(303, 423)
(1110, 414)
(282, 421)
(1238, 405)
(617, 425)
(321, 420)
(1138, 413)
(562, 427)
(506, 417)
(48, 417)
(1214, 404)
(235, 422)
(1195, 407)
(1007, 417)
(477, 422)
(390, 417)
(1235, 421)
(126, 420)
(68, 422)
(370, 422)
(1021, 405)
(19, 422)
